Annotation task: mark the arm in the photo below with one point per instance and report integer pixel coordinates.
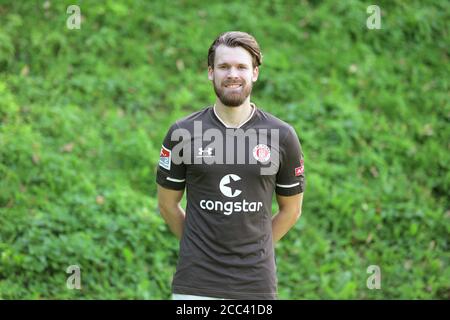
(290, 210)
(171, 211)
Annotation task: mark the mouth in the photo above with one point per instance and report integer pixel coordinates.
(233, 85)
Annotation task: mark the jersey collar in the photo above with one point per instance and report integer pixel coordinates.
(227, 126)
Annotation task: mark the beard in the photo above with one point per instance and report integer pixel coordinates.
(231, 97)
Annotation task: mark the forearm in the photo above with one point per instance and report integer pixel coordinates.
(174, 217)
(282, 222)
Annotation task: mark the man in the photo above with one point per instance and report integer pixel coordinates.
(227, 233)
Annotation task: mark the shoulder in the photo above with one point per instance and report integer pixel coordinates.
(274, 122)
(187, 122)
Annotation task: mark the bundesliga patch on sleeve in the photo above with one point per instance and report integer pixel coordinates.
(165, 158)
(299, 170)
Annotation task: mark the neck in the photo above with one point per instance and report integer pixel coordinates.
(234, 116)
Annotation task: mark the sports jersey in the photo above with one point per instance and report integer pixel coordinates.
(230, 176)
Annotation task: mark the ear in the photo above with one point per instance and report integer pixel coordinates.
(210, 73)
(255, 74)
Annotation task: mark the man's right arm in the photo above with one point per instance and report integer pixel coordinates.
(170, 209)
(171, 182)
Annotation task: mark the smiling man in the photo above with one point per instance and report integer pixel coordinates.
(227, 233)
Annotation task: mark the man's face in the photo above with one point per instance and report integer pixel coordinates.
(233, 75)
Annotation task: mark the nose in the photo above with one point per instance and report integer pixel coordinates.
(232, 73)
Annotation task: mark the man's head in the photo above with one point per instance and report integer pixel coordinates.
(233, 65)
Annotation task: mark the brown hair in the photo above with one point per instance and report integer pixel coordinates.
(236, 39)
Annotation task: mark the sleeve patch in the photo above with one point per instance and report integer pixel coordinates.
(299, 170)
(165, 158)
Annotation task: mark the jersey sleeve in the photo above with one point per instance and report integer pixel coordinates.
(169, 174)
(290, 177)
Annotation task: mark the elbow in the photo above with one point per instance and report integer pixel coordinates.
(163, 208)
(293, 214)
(298, 214)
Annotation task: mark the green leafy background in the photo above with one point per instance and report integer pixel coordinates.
(83, 114)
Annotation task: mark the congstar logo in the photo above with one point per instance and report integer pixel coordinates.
(228, 186)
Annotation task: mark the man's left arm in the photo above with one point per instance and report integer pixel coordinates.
(290, 210)
(290, 184)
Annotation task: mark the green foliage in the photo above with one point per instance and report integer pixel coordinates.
(83, 113)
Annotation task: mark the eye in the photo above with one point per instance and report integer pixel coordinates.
(242, 67)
